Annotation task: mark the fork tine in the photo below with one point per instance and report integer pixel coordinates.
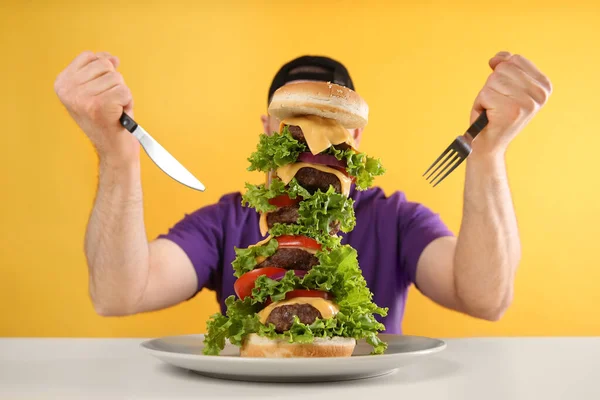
(443, 164)
(438, 159)
(456, 157)
(460, 160)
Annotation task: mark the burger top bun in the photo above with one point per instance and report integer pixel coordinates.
(324, 99)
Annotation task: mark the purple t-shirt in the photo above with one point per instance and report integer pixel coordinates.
(389, 236)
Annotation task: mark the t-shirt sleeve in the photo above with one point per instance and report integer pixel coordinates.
(200, 235)
(418, 227)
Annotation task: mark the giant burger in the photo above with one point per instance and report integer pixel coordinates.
(300, 292)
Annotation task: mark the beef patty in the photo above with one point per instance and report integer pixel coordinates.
(283, 316)
(290, 258)
(283, 215)
(312, 180)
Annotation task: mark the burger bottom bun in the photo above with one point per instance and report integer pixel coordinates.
(257, 346)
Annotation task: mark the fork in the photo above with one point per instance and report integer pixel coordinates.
(457, 152)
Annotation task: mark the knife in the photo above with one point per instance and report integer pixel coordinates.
(161, 157)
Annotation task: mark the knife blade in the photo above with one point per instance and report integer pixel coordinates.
(161, 157)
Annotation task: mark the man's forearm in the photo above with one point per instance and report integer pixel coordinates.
(116, 245)
(488, 247)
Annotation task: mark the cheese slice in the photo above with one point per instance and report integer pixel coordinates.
(262, 224)
(264, 241)
(320, 133)
(327, 308)
(287, 172)
(260, 259)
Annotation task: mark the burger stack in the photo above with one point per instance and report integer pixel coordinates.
(300, 292)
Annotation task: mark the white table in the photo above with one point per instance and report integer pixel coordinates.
(494, 368)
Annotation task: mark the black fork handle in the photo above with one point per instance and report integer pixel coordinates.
(478, 125)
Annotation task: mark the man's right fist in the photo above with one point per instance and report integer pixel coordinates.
(95, 95)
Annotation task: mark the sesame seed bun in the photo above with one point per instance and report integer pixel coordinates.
(324, 99)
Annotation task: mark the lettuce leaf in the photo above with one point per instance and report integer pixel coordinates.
(338, 273)
(358, 326)
(240, 321)
(265, 288)
(322, 209)
(324, 238)
(317, 211)
(258, 196)
(359, 165)
(245, 259)
(274, 151)
(316, 214)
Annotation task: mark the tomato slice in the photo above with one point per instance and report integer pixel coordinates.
(244, 284)
(298, 241)
(283, 200)
(305, 293)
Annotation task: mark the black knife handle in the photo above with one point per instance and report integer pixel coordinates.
(478, 125)
(128, 122)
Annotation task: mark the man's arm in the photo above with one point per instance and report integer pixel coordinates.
(126, 274)
(475, 272)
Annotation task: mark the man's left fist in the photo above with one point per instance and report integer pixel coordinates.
(512, 95)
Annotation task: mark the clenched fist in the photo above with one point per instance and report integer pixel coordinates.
(95, 95)
(513, 93)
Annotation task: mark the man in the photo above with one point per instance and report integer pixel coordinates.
(398, 242)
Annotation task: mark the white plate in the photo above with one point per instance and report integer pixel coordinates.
(186, 352)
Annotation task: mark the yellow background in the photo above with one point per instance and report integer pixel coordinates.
(199, 72)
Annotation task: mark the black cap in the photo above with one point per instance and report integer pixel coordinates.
(332, 71)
